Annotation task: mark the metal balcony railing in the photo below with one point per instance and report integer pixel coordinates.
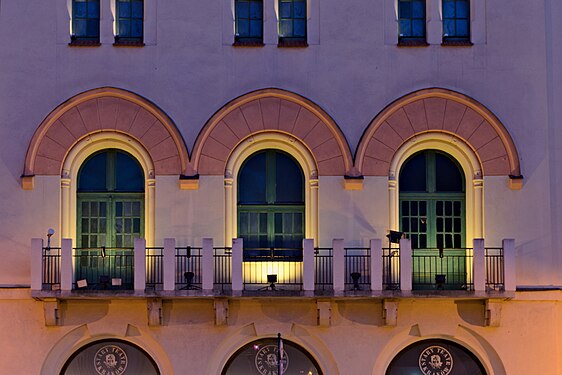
(188, 268)
(442, 269)
(281, 269)
(391, 268)
(278, 254)
(323, 268)
(50, 278)
(154, 268)
(104, 268)
(222, 265)
(495, 277)
(357, 268)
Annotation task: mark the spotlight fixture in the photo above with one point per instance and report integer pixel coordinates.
(272, 279)
(355, 276)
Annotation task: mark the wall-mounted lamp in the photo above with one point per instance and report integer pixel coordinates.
(50, 233)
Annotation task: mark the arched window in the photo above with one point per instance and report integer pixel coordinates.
(432, 201)
(271, 205)
(432, 215)
(110, 215)
(261, 358)
(434, 357)
(110, 357)
(110, 200)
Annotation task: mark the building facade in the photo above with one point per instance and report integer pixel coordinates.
(294, 186)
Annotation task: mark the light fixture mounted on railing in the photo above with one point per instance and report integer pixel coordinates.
(394, 236)
(189, 276)
(50, 233)
(271, 279)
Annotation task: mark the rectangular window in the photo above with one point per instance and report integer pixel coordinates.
(456, 21)
(411, 18)
(249, 22)
(129, 22)
(292, 23)
(85, 22)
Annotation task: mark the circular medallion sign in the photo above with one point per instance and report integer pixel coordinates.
(436, 360)
(266, 360)
(110, 360)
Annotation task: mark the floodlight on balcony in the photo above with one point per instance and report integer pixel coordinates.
(272, 279)
(355, 276)
(440, 281)
(189, 276)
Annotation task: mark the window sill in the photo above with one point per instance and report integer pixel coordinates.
(292, 43)
(456, 43)
(84, 43)
(248, 43)
(412, 43)
(128, 43)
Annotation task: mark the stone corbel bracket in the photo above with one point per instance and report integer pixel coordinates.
(221, 312)
(154, 308)
(324, 313)
(52, 312)
(390, 312)
(492, 312)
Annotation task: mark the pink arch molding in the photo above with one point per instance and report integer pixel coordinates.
(438, 110)
(271, 110)
(99, 110)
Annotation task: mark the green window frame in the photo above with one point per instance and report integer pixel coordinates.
(110, 201)
(271, 206)
(130, 21)
(432, 209)
(249, 21)
(411, 21)
(85, 21)
(456, 20)
(292, 21)
(432, 215)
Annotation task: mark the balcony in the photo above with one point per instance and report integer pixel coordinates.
(172, 271)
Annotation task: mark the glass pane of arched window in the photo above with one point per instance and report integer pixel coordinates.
(289, 180)
(261, 358)
(92, 175)
(447, 174)
(413, 174)
(129, 175)
(252, 180)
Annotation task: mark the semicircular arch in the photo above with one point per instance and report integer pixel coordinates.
(101, 110)
(431, 111)
(271, 110)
